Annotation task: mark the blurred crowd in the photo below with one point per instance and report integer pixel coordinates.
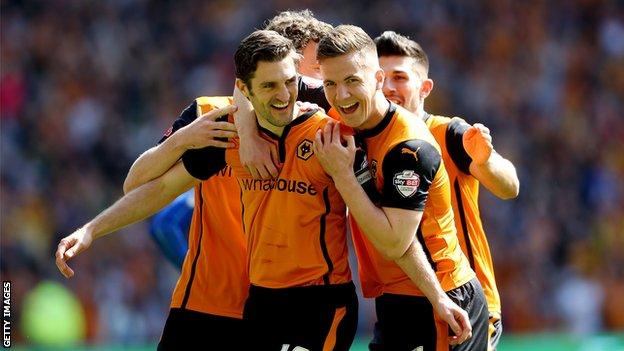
(86, 86)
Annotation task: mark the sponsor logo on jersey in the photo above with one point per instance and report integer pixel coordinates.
(304, 150)
(413, 153)
(279, 184)
(406, 182)
(225, 171)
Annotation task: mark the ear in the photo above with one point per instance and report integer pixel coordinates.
(426, 88)
(380, 76)
(242, 87)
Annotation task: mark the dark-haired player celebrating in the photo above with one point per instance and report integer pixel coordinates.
(468, 155)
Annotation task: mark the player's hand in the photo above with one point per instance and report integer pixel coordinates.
(69, 247)
(259, 156)
(457, 319)
(336, 158)
(205, 130)
(477, 142)
(305, 106)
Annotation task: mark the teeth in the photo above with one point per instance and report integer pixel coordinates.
(282, 105)
(348, 106)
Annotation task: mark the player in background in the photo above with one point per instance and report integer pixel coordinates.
(468, 155)
(170, 227)
(408, 173)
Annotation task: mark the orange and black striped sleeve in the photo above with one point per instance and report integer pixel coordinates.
(409, 169)
(455, 146)
(186, 117)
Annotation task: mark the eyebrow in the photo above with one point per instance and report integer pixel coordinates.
(293, 78)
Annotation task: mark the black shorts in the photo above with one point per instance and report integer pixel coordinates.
(317, 318)
(187, 330)
(407, 322)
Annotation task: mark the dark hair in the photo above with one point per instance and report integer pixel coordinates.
(390, 43)
(344, 39)
(261, 45)
(299, 26)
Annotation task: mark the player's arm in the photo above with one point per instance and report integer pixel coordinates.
(144, 201)
(472, 150)
(138, 204)
(390, 229)
(259, 156)
(191, 130)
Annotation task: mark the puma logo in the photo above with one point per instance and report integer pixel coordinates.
(408, 151)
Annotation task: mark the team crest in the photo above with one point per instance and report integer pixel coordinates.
(304, 150)
(406, 182)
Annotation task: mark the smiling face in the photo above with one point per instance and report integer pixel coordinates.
(351, 82)
(403, 83)
(273, 91)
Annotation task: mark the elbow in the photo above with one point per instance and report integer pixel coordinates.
(395, 250)
(128, 186)
(511, 191)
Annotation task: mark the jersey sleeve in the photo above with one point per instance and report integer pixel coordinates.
(455, 146)
(186, 117)
(311, 90)
(204, 163)
(408, 170)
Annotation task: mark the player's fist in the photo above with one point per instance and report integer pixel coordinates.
(477, 142)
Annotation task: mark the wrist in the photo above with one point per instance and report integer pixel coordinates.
(178, 142)
(89, 230)
(344, 179)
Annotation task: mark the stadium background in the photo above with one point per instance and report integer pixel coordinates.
(86, 86)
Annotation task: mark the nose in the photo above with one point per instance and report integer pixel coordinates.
(342, 92)
(283, 94)
(388, 86)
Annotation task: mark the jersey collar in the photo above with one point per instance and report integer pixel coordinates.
(369, 133)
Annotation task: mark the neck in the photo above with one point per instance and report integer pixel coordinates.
(378, 112)
(420, 111)
(277, 130)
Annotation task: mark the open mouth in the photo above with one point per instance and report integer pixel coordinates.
(280, 106)
(395, 99)
(348, 109)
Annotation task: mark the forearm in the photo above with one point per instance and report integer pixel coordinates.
(415, 264)
(138, 204)
(154, 162)
(371, 219)
(498, 175)
(244, 117)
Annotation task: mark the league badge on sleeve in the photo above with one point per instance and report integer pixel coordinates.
(168, 132)
(406, 182)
